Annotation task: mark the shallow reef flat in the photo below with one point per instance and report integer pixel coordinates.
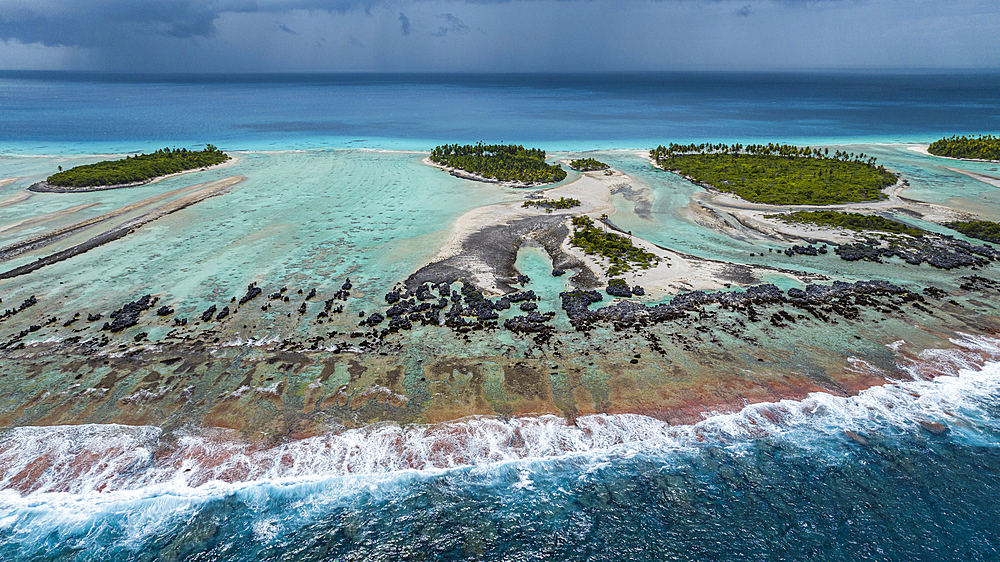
(336, 289)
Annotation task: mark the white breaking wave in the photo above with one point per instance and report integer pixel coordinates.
(115, 463)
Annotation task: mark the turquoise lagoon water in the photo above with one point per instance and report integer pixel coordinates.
(825, 478)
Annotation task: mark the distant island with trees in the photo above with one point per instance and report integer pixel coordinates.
(550, 204)
(132, 170)
(983, 147)
(499, 162)
(778, 174)
(588, 165)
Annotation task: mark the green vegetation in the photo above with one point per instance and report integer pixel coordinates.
(549, 204)
(501, 162)
(849, 221)
(779, 174)
(616, 248)
(618, 284)
(983, 230)
(588, 165)
(983, 147)
(138, 168)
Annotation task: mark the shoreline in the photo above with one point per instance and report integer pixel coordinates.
(44, 186)
(922, 149)
(690, 402)
(459, 173)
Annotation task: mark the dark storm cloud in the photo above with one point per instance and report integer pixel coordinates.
(96, 22)
(451, 24)
(496, 35)
(93, 23)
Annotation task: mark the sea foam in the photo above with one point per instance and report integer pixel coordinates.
(952, 392)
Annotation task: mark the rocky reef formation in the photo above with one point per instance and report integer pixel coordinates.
(942, 252)
(819, 301)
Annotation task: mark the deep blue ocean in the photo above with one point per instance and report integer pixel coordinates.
(73, 111)
(905, 472)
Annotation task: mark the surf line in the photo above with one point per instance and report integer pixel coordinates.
(204, 191)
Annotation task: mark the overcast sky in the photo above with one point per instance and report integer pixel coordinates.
(497, 35)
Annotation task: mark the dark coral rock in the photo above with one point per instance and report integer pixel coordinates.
(522, 296)
(252, 291)
(618, 288)
(164, 311)
(128, 315)
(374, 319)
(209, 313)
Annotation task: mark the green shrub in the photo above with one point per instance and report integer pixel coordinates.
(982, 230)
(549, 204)
(619, 250)
(588, 165)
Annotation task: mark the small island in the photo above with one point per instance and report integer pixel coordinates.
(588, 165)
(498, 163)
(131, 171)
(849, 221)
(982, 230)
(620, 251)
(550, 204)
(983, 147)
(778, 174)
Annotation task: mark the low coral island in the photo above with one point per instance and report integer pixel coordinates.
(501, 162)
(983, 147)
(588, 165)
(138, 169)
(778, 174)
(549, 204)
